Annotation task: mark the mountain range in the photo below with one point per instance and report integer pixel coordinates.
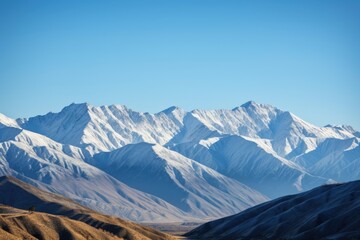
(175, 165)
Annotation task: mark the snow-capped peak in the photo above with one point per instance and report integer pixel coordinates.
(5, 121)
(250, 104)
(171, 109)
(109, 127)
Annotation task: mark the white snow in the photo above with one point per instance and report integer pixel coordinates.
(186, 184)
(61, 169)
(7, 122)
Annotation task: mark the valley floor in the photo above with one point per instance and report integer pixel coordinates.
(174, 228)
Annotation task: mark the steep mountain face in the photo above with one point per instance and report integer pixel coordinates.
(7, 122)
(327, 212)
(57, 223)
(334, 158)
(251, 162)
(193, 130)
(107, 127)
(345, 128)
(288, 134)
(54, 167)
(184, 183)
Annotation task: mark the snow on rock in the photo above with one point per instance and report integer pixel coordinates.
(285, 130)
(54, 167)
(338, 159)
(106, 127)
(7, 122)
(186, 184)
(252, 163)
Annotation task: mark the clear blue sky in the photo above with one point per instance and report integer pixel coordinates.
(302, 56)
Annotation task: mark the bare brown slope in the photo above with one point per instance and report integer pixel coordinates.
(326, 212)
(19, 224)
(18, 194)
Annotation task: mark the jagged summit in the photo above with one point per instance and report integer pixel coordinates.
(71, 108)
(249, 104)
(342, 127)
(171, 109)
(5, 121)
(253, 104)
(79, 105)
(118, 106)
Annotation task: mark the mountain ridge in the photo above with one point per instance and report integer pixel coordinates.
(250, 119)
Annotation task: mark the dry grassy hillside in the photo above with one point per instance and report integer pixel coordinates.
(19, 224)
(326, 212)
(61, 218)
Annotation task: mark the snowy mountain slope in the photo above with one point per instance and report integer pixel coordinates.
(54, 167)
(250, 119)
(193, 130)
(252, 163)
(345, 128)
(334, 158)
(184, 183)
(326, 212)
(7, 122)
(286, 131)
(107, 127)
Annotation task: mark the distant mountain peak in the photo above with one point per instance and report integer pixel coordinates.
(249, 104)
(341, 127)
(171, 109)
(5, 121)
(117, 106)
(257, 106)
(73, 106)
